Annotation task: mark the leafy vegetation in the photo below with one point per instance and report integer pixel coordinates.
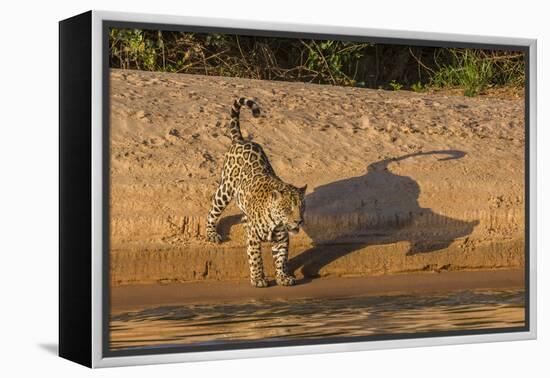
(317, 61)
(418, 87)
(395, 85)
(475, 70)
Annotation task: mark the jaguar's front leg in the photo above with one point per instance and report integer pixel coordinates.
(280, 258)
(254, 252)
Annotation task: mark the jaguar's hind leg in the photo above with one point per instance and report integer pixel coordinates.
(220, 200)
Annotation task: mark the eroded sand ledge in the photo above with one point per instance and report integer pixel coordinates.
(397, 181)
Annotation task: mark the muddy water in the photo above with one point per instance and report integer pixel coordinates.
(311, 318)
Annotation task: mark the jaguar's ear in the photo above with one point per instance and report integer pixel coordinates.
(276, 195)
(303, 189)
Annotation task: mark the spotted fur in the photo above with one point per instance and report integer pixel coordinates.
(272, 208)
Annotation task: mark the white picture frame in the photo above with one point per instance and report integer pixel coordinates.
(93, 355)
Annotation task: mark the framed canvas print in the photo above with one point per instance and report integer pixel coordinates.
(232, 189)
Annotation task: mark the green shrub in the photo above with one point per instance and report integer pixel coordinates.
(131, 48)
(475, 70)
(417, 87)
(335, 59)
(395, 85)
(466, 70)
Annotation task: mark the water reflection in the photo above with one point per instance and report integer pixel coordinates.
(316, 318)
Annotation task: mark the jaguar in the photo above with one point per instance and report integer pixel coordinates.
(272, 209)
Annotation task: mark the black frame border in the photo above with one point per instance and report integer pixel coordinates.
(75, 190)
(107, 24)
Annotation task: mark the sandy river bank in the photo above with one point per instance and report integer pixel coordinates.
(398, 182)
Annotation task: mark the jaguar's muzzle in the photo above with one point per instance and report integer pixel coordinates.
(294, 228)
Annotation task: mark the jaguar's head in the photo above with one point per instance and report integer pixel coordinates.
(288, 207)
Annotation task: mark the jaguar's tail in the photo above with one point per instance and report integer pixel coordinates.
(234, 125)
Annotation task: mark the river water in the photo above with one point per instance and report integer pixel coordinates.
(311, 318)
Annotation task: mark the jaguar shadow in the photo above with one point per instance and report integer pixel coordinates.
(226, 224)
(377, 208)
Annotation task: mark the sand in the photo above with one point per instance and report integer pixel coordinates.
(398, 182)
(136, 297)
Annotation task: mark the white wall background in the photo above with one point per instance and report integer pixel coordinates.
(28, 200)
